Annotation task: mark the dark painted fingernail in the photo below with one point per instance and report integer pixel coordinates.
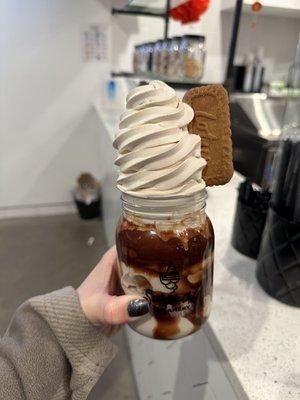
(138, 307)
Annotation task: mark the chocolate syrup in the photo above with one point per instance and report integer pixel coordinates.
(179, 268)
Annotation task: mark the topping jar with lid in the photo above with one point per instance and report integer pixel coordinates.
(192, 54)
(137, 58)
(143, 58)
(165, 251)
(156, 58)
(173, 70)
(165, 56)
(150, 47)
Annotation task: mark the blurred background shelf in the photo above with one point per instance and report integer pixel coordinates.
(158, 4)
(155, 8)
(280, 8)
(142, 11)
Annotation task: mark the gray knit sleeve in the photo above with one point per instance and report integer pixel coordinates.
(50, 350)
(88, 350)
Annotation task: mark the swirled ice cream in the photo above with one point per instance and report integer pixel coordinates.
(157, 156)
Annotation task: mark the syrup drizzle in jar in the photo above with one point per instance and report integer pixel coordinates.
(180, 262)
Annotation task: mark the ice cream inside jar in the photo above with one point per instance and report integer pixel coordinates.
(164, 238)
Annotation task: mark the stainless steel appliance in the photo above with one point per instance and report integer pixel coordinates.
(256, 122)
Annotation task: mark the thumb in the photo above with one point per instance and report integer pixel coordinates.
(122, 309)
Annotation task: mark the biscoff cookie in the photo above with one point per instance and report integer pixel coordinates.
(212, 123)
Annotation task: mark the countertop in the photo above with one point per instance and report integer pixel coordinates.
(256, 333)
(254, 336)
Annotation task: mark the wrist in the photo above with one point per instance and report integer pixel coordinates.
(85, 304)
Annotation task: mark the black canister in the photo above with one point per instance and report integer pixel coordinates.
(278, 263)
(89, 211)
(249, 223)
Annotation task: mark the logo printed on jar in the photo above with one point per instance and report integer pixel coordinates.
(181, 310)
(164, 299)
(170, 278)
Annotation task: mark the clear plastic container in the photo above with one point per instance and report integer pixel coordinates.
(156, 64)
(150, 48)
(173, 70)
(143, 58)
(192, 55)
(136, 59)
(165, 251)
(165, 56)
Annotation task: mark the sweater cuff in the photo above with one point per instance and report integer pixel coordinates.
(88, 350)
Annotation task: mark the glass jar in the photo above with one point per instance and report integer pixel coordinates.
(173, 70)
(156, 64)
(165, 251)
(164, 56)
(192, 55)
(143, 58)
(150, 56)
(136, 59)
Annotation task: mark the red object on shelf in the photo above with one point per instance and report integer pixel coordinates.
(256, 6)
(190, 11)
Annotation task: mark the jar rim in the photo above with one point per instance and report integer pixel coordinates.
(164, 207)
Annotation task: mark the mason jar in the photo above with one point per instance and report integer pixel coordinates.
(143, 58)
(174, 58)
(192, 55)
(135, 59)
(164, 56)
(150, 56)
(165, 254)
(156, 60)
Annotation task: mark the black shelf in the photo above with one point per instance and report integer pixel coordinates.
(175, 84)
(136, 10)
(147, 12)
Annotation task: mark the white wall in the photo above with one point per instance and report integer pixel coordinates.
(49, 131)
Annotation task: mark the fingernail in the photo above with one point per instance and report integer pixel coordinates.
(138, 307)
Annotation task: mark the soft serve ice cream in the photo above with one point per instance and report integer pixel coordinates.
(169, 263)
(157, 155)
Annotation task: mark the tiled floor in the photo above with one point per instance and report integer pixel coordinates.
(41, 254)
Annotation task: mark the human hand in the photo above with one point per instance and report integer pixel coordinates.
(100, 295)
